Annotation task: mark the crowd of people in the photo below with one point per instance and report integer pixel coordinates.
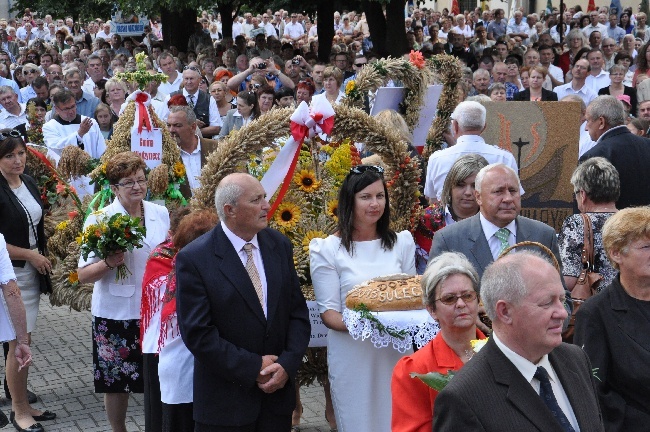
(211, 324)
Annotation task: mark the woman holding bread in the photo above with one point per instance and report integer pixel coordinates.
(450, 294)
(364, 247)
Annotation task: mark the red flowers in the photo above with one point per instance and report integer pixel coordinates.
(416, 59)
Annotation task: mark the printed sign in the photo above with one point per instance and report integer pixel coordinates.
(127, 24)
(318, 330)
(148, 145)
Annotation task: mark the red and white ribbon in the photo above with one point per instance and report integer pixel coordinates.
(142, 101)
(305, 123)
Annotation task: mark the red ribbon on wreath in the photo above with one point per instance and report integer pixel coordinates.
(143, 114)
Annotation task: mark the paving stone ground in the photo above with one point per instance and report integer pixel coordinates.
(62, 378)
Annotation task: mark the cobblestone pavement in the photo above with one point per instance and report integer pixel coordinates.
(62, 378)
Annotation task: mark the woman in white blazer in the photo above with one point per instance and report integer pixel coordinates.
(117, 353)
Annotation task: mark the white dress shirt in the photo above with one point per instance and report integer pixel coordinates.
(440, 161)
(171, 87)
(215, 118)
(10, 121)
(192, 162)
(585, 92)
(238, 243)
(599, 81)
(489, 229)
(528, 369)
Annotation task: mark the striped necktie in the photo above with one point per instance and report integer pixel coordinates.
(502, 234)
(253, 273)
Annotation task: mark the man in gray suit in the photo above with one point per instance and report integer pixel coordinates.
(525, 378)
(498, 225)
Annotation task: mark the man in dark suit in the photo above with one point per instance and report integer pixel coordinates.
(629, 153)
(498, 225)
(525, 378)
(242, 315)
(181, 123)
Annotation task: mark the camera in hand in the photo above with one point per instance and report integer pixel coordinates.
(261, 65)
(296, 61)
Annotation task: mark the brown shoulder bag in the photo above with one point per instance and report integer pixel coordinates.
(587, 281)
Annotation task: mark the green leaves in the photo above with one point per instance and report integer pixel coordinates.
(435, 380)
(381, 328)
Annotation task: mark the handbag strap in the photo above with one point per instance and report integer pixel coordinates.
(588, 244)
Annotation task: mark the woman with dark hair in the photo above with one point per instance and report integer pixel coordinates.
(118, 362)
(625, 24)
(639, 127)
(284, 98)
(21, 223)
(597, 188)
(265, 97)
(247, 110)
(19, 77)
(449, 277)
(362, 248)
(40, 106)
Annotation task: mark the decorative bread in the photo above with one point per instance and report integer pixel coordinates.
(387, 293)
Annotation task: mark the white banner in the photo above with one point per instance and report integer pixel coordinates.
(318, 330)
(148, 145)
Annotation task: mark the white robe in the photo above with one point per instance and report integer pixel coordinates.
(58, 136)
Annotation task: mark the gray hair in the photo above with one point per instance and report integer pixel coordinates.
(464, 167)
(504, 280)
(70, 72)
(439, 269)
(226, 193)
(6, 89)
(599, 179)
(576, 33)
(575, 98)
(608, 107)
(470, 116)
(481, 174)
(189, 114)
(479, 72)
(480, 98)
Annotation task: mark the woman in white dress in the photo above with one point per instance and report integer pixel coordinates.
(364, 247)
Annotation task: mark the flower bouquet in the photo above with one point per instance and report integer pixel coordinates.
(109, 235)
(439, 381)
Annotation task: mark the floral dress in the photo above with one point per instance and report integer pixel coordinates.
(571, 242)
(431, 221)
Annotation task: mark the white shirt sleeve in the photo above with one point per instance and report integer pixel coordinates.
(215, 118)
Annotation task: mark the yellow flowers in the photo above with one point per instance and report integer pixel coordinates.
(63, 225)
(73, 278)
(179, 170)
(306, 181)
(332, 209)
(350, 86)
(477, 344)
(309, 236)
(287, 215)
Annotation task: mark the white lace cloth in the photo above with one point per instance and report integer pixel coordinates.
(418, 324)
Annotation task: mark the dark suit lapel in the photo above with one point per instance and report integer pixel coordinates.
(480, 248)
(272, 265)
(520, 393)
(233, 270)
(564, 368)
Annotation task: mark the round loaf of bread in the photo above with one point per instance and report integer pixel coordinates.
(398, 292)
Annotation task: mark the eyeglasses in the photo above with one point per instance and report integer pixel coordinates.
(25, 72)
(129, 184)
(360, 169)
(360, 64)
(192, 68)
(12, 133)
(452, 299)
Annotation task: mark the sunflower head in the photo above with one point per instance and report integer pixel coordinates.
(179, 170)
(73, 278)
(309, 236)
(306, 181)
(287, 215)
(332, 209)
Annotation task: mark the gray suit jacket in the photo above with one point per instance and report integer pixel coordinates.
(468, 238)
(231, 123)
(489, 394)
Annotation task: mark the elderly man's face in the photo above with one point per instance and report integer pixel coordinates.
(9, 100)
(191, 80)
(180, 129)
(644, 110)
(481, 83)
(500, 73)
(537, 319)
(248, 216)
(67, 110)
(499, 199)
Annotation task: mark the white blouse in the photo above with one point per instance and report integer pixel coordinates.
(7, 274)
(121, 300)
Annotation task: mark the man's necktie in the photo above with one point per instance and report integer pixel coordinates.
(191, 101)
(252, 272)
(547, 395)
(502, 234)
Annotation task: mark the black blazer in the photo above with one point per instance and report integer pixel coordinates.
(524, 95)
(14, 224)
(223, 325)
(615, 334)
(630, 154)
(489, 394)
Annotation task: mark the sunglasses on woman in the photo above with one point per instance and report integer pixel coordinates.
(360, 169)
